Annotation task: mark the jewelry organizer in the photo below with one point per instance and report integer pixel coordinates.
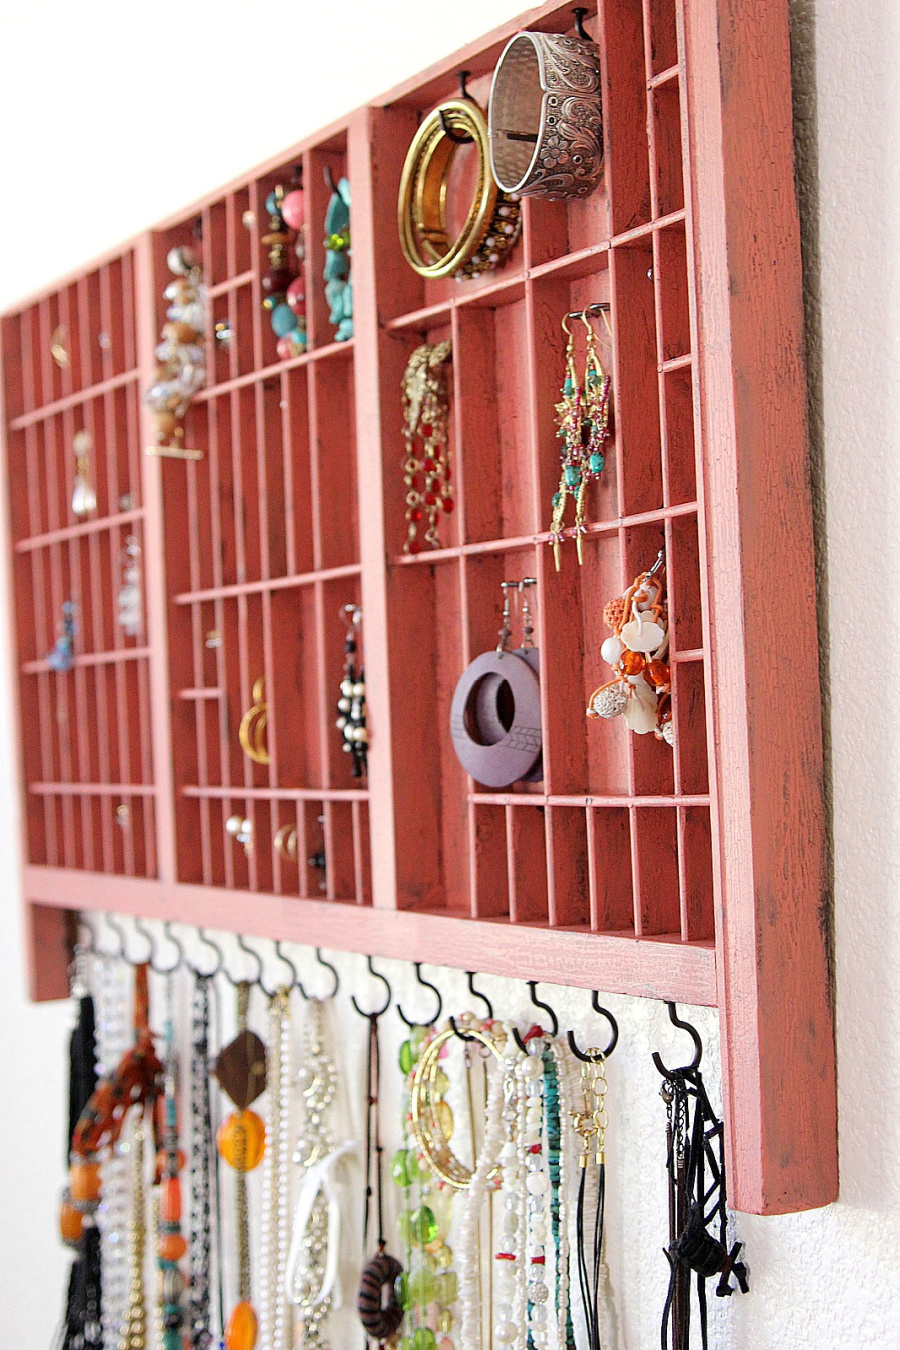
(696, 875)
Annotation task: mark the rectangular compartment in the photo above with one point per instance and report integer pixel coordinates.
(568, 867)
(654, 851)
(609, 858)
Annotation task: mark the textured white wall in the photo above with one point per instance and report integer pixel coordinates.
(101, 105)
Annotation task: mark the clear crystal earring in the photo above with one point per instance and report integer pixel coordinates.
(130, 606)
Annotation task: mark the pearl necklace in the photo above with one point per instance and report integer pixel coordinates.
(273, 1319)
(484, 1180)
(306, 1265)
(510, 1278)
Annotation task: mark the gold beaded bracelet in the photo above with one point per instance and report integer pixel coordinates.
(424, 1102)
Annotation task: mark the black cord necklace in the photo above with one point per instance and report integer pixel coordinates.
(590, 1124)
(694, 1146)
(82, 1328)
(376, 1302)
(202, 1162)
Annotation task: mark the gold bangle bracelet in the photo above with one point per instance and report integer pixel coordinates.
(493, 221)
(423, 1108)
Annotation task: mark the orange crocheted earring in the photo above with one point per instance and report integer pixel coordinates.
(640, 690)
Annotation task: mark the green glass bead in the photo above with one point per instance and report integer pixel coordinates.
(416, 1166)
(442, 1209)
(573, 475)
(422, 1286)
(441, 1083)
(399, 1169)
(422, 1226)
(406, 1343)
(444, 1321)
(557, 498)
(417, 1039)
(405, 1057)
(444, 1256)
(401, 1290)
(423, 1338)
(597, 463)
(447, 1290)
(568, 386)
(404, 1227)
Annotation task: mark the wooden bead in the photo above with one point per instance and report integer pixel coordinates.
(84, 1181)
(71, 1223)
(241, 1331)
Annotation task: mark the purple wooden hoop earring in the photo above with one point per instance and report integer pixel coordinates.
(516, 751)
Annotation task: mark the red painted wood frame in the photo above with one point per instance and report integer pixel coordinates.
(697, 875)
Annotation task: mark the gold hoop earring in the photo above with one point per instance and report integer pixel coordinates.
(252, 730)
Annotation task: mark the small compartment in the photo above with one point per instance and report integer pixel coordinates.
(609, 855)
(636, 379)
(625, 118)
(340, 852)
(312, 854)
(238, 234)
(691, 750)
(212, 244)
(574, 655)
(695, 843)
(655, 851)
(663, 35)
(297, 495)
(301, 727)
(553, 300)
(428, 655)
(323, 166)
(680, 450)
(672, 279)
(665, 102)
(333, 478)
(493, 402)
(117, 310)
(685, 604)
(335, 623)
(472, 461)
(362, 852)
(492, 861)
(287, 850)
(17, 361)
(568, 867)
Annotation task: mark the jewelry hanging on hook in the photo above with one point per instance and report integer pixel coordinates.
(351, 708)
(62, 656)
(84, 498)
(130, 609)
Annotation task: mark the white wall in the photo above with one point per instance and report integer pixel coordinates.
(101, 106)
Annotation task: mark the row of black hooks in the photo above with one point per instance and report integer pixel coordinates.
(221, 967)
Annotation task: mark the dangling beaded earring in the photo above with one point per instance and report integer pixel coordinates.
(84, 498)
(583, 417)
(285, 297)
(129, 600)
(351, 720)
(641, 688)
(62, 656)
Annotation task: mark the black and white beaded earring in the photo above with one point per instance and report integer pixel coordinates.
(351, 720)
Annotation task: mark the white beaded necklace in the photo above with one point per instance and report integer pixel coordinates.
(473, 1198)
(510, 1276)
(114, 1035)
(274, 1323)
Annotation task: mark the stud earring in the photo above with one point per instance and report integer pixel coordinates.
(84, 498)
(351, 719)
(129, 603)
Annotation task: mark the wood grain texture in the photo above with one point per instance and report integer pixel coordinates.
(771, 903)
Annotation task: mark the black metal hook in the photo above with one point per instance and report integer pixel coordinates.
(220, 959)
(476, 993)
(387, 1003)
(251, 951)
(695, 1037)
(329, 179)
(532, 985)
(92, 936)
(426, 984)
(593, 1054)
(150, 940)
(176, 943)
(599, 307)
(121, 954)
(580, 15)
(334, 974)
(295, 978)
(458, 137)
